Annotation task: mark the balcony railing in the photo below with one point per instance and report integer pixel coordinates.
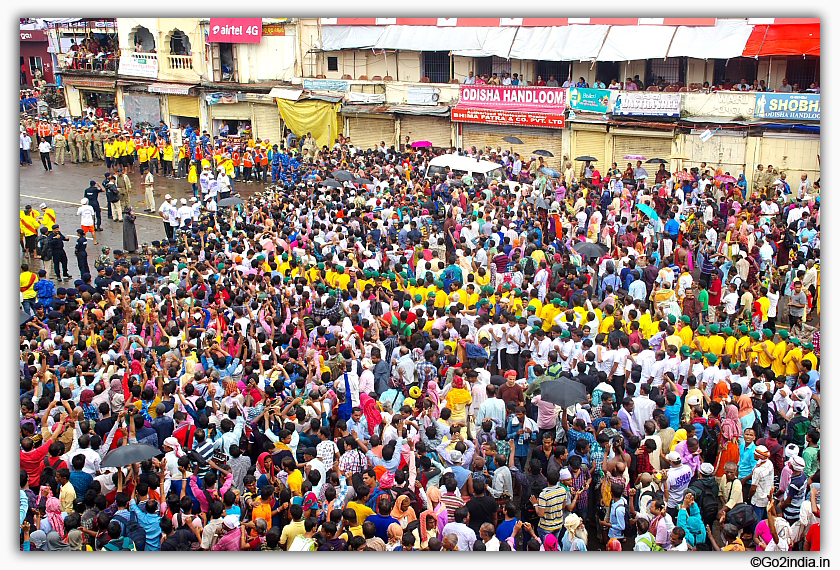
(90, 62)
(180, 61)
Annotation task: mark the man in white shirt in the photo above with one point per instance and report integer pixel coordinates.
(470, 80)
(87, 221)
(185, 212)
(506, 80)
(25, 145)
(643, 408)
(44, 149)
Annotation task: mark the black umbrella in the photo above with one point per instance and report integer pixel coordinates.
(544, 153)
(455, 183)
(513, 140)
(128, 454)
(584, 158)
(564, 392)
(656, 161)
(331, 183)
(25, 318)
(229, 201)
(588, 249)
(363, 181)
(629, 181)
(343, 175)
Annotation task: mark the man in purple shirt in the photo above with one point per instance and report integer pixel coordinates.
(625, 414)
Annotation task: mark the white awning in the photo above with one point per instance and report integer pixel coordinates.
(562, 43)
(726, 39)
(630, 43)
(335, 38)
(421, 38)
(288, 93)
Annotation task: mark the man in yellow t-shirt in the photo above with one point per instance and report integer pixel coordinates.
(684, 330)
(765, 349)
(790, 359)
(742, 346)
(27, 286)
(29, 224)
(716, 342)
(779, 352)
(731, 342)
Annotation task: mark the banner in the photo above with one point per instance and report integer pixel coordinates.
(501, 117)
(365, 98)
(592, 100)
(311, 115)
(139, 64)
(422, 96)
(219, 98)
(509, 98)
(647, 103)
(801, 106)
(235, 30)
(325, 85)
(273, 30)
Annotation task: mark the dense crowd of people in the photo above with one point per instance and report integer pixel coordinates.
(364, 357)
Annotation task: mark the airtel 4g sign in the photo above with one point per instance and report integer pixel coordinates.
(235, 30)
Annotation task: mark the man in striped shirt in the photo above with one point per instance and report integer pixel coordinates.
(551, 506)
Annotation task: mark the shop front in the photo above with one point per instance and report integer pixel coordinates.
(535, 115)
(434, 128)
(98, 93)
(368, 127)
(35, 61)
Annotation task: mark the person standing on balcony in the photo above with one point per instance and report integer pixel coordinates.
(470, 80)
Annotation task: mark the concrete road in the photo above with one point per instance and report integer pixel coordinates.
(62, 189)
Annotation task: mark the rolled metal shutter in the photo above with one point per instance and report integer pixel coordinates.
(267, 122)
(184, 106)
(367, 133)
(725, 152)
(481, 136)
(649, 147)
(233, 111)
(436, 130)
(589, 143)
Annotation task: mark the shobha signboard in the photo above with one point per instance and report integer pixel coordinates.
(235, 30)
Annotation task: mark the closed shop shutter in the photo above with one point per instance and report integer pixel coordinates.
(183, 106)
(142, 108)
(233, 111)
(791, 155)
(481, 136)
(267, 122)
(589, 143)
(649, 147)
(368, 133)
(436, 130)
(725, 152)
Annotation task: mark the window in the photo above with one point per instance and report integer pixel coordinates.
(606, 71)
(735, 69)
(802, 71)
(672, 70)
(332, 63)
(559, 69)
(35, 64)
(490, 65)
(436, 66)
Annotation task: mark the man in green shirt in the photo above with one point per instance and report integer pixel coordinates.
(703, 298)
(811, 453)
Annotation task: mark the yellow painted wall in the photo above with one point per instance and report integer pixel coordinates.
(793, 156)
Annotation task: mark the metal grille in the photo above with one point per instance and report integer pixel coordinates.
(559, 69)
(802, 71)
(668, 69)
(436, 66)
(332, 63)
(734, 69)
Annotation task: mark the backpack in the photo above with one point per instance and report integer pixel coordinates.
(126, 545)
(112, 194)
(134, 531)
(707, 501)
(653, 545)
(180, 545)
(43, 247)
(48, 475)
(529, 266)
(742, 516)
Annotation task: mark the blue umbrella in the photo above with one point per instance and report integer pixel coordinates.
(550, 172)
(648, 211)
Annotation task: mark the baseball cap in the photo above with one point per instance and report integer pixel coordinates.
(674, 457)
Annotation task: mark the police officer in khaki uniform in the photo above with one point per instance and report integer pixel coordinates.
(758, 179)
(309, 147)
(60, 144)
(71, 145)
(87, 135)
(98, 146)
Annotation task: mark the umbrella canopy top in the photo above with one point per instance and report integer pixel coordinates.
(682, 175)
(563, 392)
(230, 201)
(343, 175)
(421, 144)
(656, 161)
(513, 140)
(585, 158)
(550, 172)
(129, 454)
(648, 211)
(541, 152)
(588, 249)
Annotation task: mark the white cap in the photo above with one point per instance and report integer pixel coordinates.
(43, 205)
(193, 199)
(167, 197)
(184, 201)
(565, 474)
(674, 457)
(797, 463)
(84, 202)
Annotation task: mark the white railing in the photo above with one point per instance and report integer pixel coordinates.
(180, 61)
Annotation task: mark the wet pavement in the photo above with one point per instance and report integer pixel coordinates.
(63, 188)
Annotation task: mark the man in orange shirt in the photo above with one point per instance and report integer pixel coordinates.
(248, 162)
